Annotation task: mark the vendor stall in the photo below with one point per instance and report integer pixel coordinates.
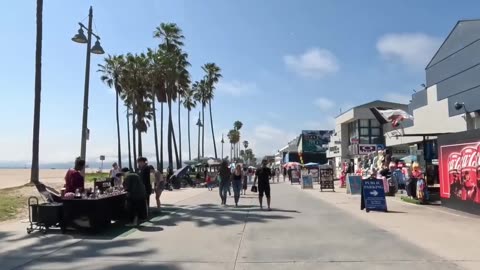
(95, 214)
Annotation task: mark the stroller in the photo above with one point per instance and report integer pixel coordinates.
(42, 216)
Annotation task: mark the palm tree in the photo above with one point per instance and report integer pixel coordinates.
(38, 92)
(189, 103)
(234, 138)
(159, 93)
(237, 125)
(111, 71)
(128, 140)
(211, 78)
(182, 84)
(201, 97)
(157, 84)
(142, 97)
(175, 64)
(137, 97)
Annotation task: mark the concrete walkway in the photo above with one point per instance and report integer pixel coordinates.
(305, 230)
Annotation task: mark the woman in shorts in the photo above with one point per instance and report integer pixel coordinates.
(159, 186)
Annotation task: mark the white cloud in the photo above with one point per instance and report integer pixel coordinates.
(412, 49)
(399, 98)
(265, 139)
(274, 115)
(327, 122)
(324, 104)
(236, 88)
(313, 63)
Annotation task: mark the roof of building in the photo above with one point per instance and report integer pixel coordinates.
(376, 103)
(465, 33)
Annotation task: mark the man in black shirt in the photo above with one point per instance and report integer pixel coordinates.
(144, 172)
(263, 175)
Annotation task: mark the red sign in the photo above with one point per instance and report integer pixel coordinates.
(460, 172)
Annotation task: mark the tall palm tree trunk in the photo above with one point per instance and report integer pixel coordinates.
(119, 144)
(203, 131)
(38, 91)
(213, 133)
(140, 145)
(134, 141)
(189, 145)
(128, 140)
(161, 137)
(169, 134)
(179, 133)
(179, 164)
(155, 133)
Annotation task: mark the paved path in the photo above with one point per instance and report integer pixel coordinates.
(302, 232)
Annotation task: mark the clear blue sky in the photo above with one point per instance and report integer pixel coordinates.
(287, 65)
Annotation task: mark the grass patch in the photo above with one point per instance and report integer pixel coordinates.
(11, 204)
(410, 200)
(90, 176)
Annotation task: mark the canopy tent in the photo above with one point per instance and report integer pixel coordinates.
(291, 164)
(409, 159)
(311, 164)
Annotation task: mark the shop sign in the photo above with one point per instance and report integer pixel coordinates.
(354, 140)
(380, 147)
(315, 140)
(334, 149)
(364, 149)
(459, 172)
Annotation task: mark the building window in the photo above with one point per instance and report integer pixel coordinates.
(364, 123)
(377, 140)
(364, 140)
(375, 131)
(353, 130)
(374, 123)
(364, 132)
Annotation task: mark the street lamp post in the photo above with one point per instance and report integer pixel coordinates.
(96, 49)
(199, 124)
(222, 141)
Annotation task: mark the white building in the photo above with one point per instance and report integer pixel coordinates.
(357, 133)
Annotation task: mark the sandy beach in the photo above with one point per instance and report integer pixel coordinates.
(17, 177)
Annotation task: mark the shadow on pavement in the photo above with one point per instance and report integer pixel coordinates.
(396, 212)
(214, 215)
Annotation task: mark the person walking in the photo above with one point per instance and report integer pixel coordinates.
(159, 187)
(144, 172)
(114, 175)
(263, 177)
(136, 194)
(245, 180)
(237, 183)
(224, 174)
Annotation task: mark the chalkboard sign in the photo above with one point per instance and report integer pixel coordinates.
(354, 184)
(326, 179)
(295, 177)
(307, 181)
(373, 195)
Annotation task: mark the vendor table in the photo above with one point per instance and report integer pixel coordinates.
(99, 212)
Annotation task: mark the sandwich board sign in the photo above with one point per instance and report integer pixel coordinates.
(373, 195)
(354, 183)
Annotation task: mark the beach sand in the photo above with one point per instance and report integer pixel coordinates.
(17, 177)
